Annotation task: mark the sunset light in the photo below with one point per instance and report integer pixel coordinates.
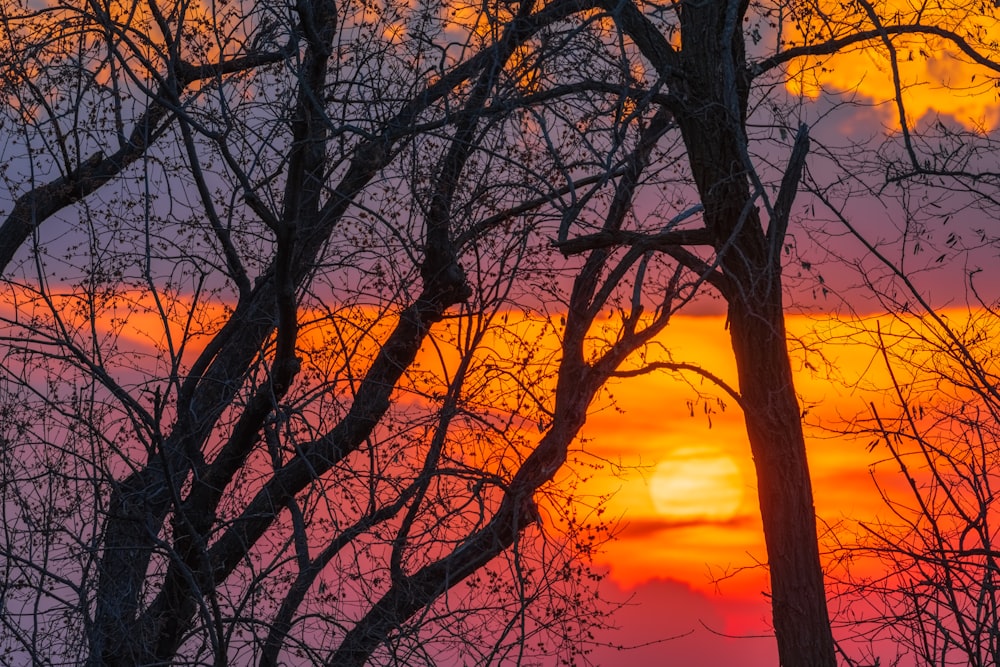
(935, 76)
(513, 333)
(696, 483)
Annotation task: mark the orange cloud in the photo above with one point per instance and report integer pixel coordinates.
(840, 377)
(934, 75)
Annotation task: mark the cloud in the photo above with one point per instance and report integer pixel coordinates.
(666, 622)
(646, 527)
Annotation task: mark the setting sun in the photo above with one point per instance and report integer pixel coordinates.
(469, 333)
(697, 483)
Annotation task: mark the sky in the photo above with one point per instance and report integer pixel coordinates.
(680, 475)
(690, 544)
(675, 470)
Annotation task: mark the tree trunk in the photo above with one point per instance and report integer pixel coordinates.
(712, 118)
(774, 427)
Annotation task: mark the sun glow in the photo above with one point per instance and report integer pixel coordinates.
(697, 483)
(683, 485)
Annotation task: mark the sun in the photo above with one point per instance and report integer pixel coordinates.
(697, 483)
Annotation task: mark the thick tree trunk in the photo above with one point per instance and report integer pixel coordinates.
(712, 118)
(774, 427)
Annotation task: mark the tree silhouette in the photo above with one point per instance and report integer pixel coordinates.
(305, 306)
(240, 451)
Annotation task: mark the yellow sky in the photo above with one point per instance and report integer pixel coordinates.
(935, 76)
(669, 459)
(836, 381)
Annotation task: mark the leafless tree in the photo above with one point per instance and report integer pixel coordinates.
(916, 584)
(223, 444)
(721, 65)
(231, 234)
(918, 581)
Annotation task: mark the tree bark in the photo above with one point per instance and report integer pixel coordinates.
(712, 117)
(774, 428)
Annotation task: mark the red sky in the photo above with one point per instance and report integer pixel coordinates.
(687, 557)
(701, 575)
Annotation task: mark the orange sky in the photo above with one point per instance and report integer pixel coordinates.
(708, 568)
(935, 76)
(674, 466)
(684, 556)
(658, 423)
(683, 535)
(670, 460)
